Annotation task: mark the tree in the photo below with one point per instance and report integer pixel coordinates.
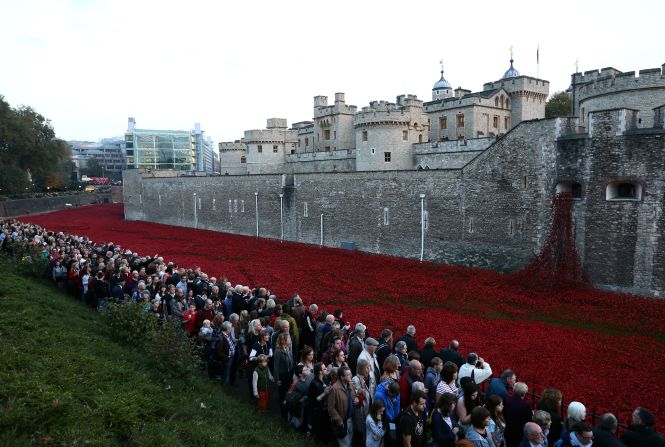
(28, 144)
(92, 168)
(558, 105)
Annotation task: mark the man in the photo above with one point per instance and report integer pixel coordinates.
(226, 350)
(517, 412)
(327, 356)
(501, 385)
(533, 436)
(413, 373)
(476, 368)
(428, 352)
(341, 405)
(582, 436)
(641, 431)
(308, 331)
(451, 354)
(432, 379)
(204, 314)
(411, 428)
(410, 339)
(369, 355)
(384, 349)
(388, 392)
(286, 316)
(356, 345)
(282, 326)
(604, 434)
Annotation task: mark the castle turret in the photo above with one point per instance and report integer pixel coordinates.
(442, 89)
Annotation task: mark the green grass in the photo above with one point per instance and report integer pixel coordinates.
(65, 382)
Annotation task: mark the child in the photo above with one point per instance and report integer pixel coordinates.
(189, 320)
(206, 331)
(260, 378)
(374, 423)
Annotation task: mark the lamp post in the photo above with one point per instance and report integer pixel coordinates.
(281, 216)
(422, 226)
(195, 216)
(256, 207)
(322, 230)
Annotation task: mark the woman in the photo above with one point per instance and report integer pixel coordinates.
(307, 361)
(551, 402)
(283, 367)
(391, 366)
(444, 429)
(448, 380)
(361, 385)
(576, 413)
(374, 424)
(497, 423)
(338, 359)
(479, 433)
(318, 391)
(467, 402)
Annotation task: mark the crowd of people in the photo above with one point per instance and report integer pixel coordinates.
(331, 379)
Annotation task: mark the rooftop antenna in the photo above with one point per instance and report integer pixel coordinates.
(538, 61)
(577, 66)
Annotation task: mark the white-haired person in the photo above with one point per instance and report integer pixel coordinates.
(575, 413)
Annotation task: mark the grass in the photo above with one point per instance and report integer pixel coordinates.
(65, 382)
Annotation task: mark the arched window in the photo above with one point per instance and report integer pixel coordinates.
(623, 190)
(502, 101)
(507, 103)
(243, 160)
(496, 102)
(574, 188)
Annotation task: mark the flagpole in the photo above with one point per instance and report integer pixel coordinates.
(538, 62)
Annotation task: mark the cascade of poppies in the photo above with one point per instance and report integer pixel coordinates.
(558, 263)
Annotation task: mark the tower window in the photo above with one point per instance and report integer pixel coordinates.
(386, 220)
(630, 191)
(443, 123)
(387, 157)
(364, 135)
(259, 148)
(275, 148)
(405, 135)
(460, 120)
(243, 160)
(326, 134)
(495, 121)
(506, 122)
(574, 188)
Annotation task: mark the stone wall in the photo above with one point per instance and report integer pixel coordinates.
(22, 207)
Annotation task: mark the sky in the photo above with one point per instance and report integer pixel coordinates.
(88, 65)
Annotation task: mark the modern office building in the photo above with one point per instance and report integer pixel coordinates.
(160, 149)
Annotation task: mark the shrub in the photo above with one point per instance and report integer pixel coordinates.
(131, 324)
(172, 351)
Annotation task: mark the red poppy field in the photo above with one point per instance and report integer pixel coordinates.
(601, 348)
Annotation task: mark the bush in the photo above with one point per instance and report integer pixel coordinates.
(131, 324)
(172, 351)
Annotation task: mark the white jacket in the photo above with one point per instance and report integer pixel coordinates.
(479, 375)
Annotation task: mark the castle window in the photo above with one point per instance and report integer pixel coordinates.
(304, 210)
(306, 142)
(275, 148)
(243, 160)
(502, 101)
(496, 102)
(386, 219)
(242, 206)
(506, 122)
(230, 206)
(259, 148)
(507, 103)
(525, 182)
(235, 205)
(373, 150)
(472, 227)
(364, 135)
(326, 148)
(460, 120)
(628, 191)
(574, 188)
(420, 138)
(443, 123)
(495, 121)
(405, 135)
(326, 134)
(334, 134)
(387, 157)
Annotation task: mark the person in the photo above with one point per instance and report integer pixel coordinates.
(388, 392)
(576, 413)
(641, 430)
(402, 355)
(225, 351)
(318, 392)
(308, 330)
(451, 354)
(410, 339)
(550, 402)
(341, 404)
(461, 438)
(335, 346)
(580, 435)
(296, 397)
(307, 361)
(356, 344)
(428, 352)
(338, 360)
(466, 402)
(501, 385)
(385, 347)
(432, 379)
(361, 383)
(544, 421)
(497, 422)
(479, 433)
(476, 368)
(444, 429)
(206, 331)
(448, 380)
(260, 378)
(517, 412)
(391, 367)
(374, 425)
(604, 434)
(411, 428)
(283, 367)
(533, 436)
(368, 355)
(414, 373)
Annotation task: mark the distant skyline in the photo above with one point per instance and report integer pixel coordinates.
(88, 65)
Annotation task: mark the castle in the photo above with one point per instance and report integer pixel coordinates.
(445, 132)
(483, 202)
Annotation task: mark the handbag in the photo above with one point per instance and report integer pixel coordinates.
(339, 431)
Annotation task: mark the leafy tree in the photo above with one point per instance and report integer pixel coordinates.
(559, 104)
(28, 144)
(92, 168)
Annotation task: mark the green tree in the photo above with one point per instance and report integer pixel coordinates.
(92, 168)
(559, 104)
(28, 144)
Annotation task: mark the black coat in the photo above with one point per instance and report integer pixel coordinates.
(448, 355)
(604, 438)
(642, 436)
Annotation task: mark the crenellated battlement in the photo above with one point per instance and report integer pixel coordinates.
(407, 109)
(270, 136)
(606, 80)
(232, 146)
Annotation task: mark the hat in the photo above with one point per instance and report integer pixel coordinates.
(369, 341)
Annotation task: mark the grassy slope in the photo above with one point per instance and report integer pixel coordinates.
(63, 381)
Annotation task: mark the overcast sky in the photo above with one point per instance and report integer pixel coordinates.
(89, 64)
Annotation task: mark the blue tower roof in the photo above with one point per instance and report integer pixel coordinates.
(511, 72)
(442, 84)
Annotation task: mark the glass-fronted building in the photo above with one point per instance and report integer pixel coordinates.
(160, 149)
